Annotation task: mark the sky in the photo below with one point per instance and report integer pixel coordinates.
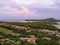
(29, 9)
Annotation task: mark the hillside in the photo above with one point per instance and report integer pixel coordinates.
(34, 33)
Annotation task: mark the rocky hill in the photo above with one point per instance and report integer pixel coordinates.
(47, 19)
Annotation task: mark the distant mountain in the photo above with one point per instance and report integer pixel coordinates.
(48, 19)
(18, 20)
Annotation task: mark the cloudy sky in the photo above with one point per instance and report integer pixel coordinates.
(29, 9)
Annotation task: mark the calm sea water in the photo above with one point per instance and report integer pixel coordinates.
(21, 21)
(58, 25)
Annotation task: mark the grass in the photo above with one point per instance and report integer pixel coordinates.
(7, 31)
(1, 36)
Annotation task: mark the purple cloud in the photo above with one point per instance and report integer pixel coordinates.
(29, 9)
